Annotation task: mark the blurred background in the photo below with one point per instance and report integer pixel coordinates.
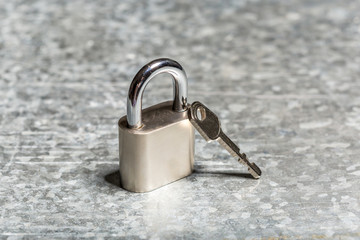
(283, 76)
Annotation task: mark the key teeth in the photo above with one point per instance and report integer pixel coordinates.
(255, 171)
(252, 167)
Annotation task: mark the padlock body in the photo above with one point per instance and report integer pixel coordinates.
(160, 152)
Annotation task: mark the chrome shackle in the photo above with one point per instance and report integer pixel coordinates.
(143, 77)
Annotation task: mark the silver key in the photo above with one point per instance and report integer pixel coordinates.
(208, 125)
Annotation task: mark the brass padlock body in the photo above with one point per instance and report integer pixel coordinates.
(160, 152)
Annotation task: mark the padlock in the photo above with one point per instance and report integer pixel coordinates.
(156, 145)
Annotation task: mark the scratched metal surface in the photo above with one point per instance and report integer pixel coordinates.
(283, 76)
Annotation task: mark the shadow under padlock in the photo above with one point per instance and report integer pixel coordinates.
(156, 145)
(113, 178)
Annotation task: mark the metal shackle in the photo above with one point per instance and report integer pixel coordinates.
(143, 77)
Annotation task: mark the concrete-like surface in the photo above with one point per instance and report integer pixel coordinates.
(283, 76)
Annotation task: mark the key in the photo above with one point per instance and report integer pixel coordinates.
(208, 125)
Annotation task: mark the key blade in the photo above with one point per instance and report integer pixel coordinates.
(205, 121)
(229, 145)
(234, 150)
(254, 170)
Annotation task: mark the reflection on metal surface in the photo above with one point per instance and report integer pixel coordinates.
(160, 152)
(143, 77)
(156, 146)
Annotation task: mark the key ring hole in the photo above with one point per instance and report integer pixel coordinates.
(200, 113)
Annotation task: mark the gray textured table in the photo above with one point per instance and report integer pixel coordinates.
(282, 75)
